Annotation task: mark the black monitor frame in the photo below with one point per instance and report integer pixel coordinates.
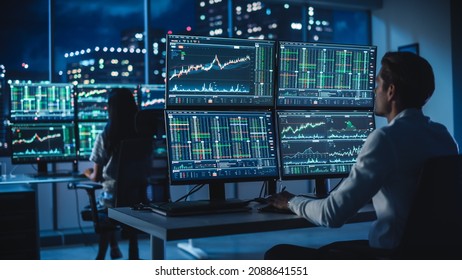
(83, 149)
(34, 130)
(151, 96)
(100, 113)
(219, 170)
(34, 102)
(350, 137)
(249, 86)
(325, 75)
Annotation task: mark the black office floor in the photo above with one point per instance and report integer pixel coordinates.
(231, 247)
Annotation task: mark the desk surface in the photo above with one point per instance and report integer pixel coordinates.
(27, 179)
(197, 226)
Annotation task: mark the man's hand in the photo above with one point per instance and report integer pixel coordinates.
(280, 200)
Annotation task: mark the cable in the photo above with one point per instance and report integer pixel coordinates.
(193, 190)
(336, 186)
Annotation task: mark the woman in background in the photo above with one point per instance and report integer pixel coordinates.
(122, 110)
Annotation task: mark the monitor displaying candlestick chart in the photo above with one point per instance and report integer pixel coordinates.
(34, 142)
(319, 143)
(325, 75)
(152, 96)
(41, 101)
(87, 133)
(213, 146)
(220, 72)
(92, 100)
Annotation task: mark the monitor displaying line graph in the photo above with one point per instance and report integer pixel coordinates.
(321, 142)
(92, 100)
(214, 72)
(208, 146)
(47, 142)
(152, 96)
(325, 75)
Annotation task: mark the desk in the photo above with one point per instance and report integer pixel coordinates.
(30, 180)
(163, 229)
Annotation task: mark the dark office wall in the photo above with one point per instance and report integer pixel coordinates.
(427, 23)
(456, 38)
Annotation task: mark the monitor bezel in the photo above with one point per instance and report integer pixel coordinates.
(222, 180)
(81, 157)
(320, 176)
(78, 88)
(218, 106)
(70, 117)
(161, 87)
(42, 160)
(321, 107)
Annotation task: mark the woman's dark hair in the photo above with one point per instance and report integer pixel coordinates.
(122, 110)
(412, 76)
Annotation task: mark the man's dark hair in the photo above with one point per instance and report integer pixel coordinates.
(412, 76)
(122, 110)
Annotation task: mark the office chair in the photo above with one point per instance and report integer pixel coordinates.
(139, 169)
(130, 188)
(434, 226)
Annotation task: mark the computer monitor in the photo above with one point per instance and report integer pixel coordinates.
(318, 144)
(92, 100)
(220, 146)
(152, 97)
(87, 133)
(43, 142)
(325, 75)
(4, 113)
(220, 72)
(41, 102)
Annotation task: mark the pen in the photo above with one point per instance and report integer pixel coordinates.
(283, 189)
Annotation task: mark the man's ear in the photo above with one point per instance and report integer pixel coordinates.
(391, 93)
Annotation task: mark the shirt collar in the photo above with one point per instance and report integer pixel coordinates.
(406, 113)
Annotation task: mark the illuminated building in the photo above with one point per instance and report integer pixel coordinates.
(123, 64)
(105, 65)
(264, 19)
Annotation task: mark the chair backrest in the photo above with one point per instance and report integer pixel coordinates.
(434, 226)
(133, 171)
(150, 123)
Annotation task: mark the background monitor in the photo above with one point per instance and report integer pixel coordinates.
(4, 114)
(319, 143)
(92, 100)
(87, 133)
(152, 97)
(214, 146)
(211, 71)
(35, 142)
(325, 75)
(41, 101)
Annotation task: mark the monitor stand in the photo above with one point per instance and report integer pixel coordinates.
(42, 168)
(42, 171)
(321, 187)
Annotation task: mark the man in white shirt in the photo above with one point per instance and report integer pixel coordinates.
(386, 170)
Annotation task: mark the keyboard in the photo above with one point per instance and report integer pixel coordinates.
(198, 207)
